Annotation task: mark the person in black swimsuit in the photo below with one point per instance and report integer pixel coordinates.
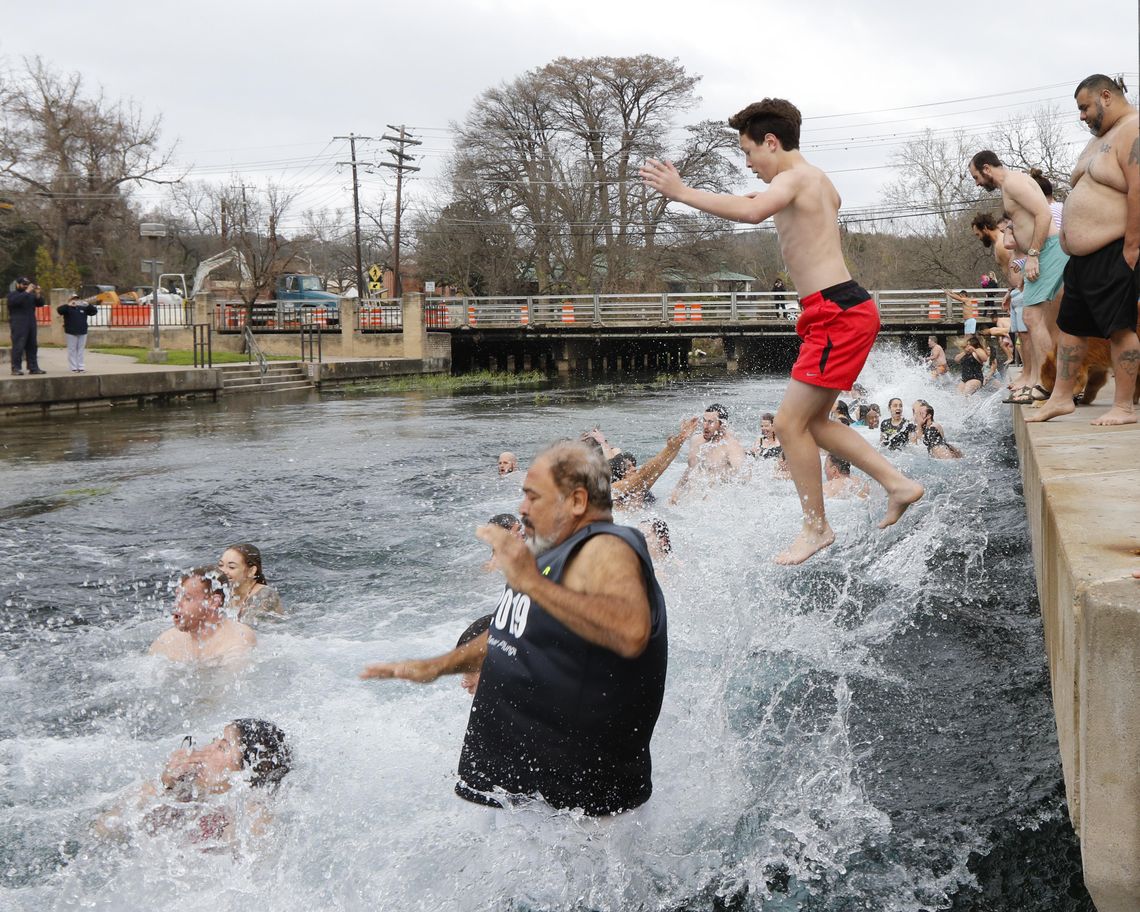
(971, 359)
(931, 434)
(895, 432)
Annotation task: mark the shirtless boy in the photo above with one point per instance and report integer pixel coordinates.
(716, 453)
(936, 360)
(1102, 237)
(200, 630)
(838, 320)
(1038, 238)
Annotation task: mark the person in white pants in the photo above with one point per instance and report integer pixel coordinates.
(75, 313)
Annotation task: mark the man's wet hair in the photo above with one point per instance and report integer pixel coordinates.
(475, 629)
(1098, 82)
(721, 411)
(507, 520)
(983, 158)
(842, 466)
(777, 116)
(574, 464)
(264, 751)
(984, 221)
(1043, 182)
(214, 579)
(621, 464)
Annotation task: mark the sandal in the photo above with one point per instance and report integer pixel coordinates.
(1039, 393)
(1023, 396)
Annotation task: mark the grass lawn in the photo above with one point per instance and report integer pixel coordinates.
(181, 356)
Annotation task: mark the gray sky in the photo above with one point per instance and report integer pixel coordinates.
(259, 89)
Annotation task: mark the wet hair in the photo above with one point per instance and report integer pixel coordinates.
(926, 405)
(843, 409)
(872, 407)
(507, 520)
(620, 466)
(593, 444)
(767, 416)
(215, 581)
(721, 411)
(475, 629)
(574, 464)
(976, 341)
(264, 751)
(983, 158)
(1098, 82)
(1043, 182)
(251, 554)
(984, 221)
(660, 530)
(892, 400)
(842, 466)
(777, 116)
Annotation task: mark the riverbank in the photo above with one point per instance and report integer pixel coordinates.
(1081, 490)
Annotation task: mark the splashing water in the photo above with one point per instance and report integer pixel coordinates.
(836, 736)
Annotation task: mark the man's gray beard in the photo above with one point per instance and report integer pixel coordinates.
(538, 544)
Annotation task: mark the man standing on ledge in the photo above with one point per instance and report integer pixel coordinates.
(22, 304)
(572, 669)
(1101, 233)
(838, 319)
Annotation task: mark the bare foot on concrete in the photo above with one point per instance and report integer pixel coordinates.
(807, 543)
(899, 499)
(1051, 408)
(1114, 416)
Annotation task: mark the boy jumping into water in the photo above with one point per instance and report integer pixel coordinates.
(838, 320)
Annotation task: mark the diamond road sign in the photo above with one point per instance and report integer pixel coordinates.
(374, 272)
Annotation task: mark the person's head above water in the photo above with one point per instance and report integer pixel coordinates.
(656, 532)
(507, 521)
(872, 414)
(264, 751)
(566, 488)
(199, 598)
(621, 465)
(252, 744)
(508, 462)
(833, 466)
(715, 418)
(241, 563)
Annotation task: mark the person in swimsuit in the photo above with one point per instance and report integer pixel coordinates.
(895, 433)
(970, 360)
(250, 594)
(931, 434)
(187, 795)
(838, 320)
(936, 360)
(768, 445)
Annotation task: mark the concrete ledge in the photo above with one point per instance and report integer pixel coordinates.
(32, 395)
(332, 372)
(1082, 496)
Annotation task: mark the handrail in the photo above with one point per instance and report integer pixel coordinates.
(252, 348)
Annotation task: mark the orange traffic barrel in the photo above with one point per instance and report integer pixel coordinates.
(567, 312)
(935, 311)
(524, 315)
(695, 311)
(679, 312)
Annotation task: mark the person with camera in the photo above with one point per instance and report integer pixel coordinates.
(22, 304)
(75, 313)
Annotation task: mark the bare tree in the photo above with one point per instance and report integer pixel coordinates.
(1037, 140)
(70, 158)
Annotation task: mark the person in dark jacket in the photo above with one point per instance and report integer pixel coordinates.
(75, 313)
(22, 304)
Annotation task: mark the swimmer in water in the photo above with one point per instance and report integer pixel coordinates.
(250, 594)
(656, 532)
(715, 455)
(936, 360)
(630, 483)
(767, 446)
(507, 521)
(186, 795)
(839, 481)
(931, 434)
(895, 432)
(201, 632)
(508, 462)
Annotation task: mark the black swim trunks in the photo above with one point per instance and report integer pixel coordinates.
(1100, 293)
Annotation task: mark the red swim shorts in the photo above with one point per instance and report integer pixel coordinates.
(838, 326)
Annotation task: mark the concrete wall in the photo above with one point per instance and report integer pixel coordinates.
(1082, 496)
(53, 392)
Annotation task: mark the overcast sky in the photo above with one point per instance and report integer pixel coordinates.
(260, 89)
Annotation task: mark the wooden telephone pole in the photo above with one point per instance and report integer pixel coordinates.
(400, 164)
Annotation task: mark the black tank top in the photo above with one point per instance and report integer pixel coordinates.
(971, 369)
(558, 716)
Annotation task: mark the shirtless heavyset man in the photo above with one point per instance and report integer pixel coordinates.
(1102, 235)
(1037, 236)
(838, 320)
(716, 454)
(200, 631)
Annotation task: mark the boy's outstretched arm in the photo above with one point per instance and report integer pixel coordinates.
(751, 209)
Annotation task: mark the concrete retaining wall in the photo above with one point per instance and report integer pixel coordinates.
(1082, 495)
(82, 391)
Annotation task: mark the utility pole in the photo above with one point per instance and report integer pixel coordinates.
(352, 138)
(400, 166)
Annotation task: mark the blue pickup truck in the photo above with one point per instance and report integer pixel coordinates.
(298, 297)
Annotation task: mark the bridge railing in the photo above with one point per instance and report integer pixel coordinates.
(896, 306)
(273, 316)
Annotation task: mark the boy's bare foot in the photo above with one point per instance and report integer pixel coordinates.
(807, 543)
(1051, 408)
(899, 499)
(1115, 415)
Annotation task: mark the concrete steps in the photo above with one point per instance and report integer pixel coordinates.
(279, 377)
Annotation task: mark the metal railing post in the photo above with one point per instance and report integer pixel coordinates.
(664, 307)
(732, 314)
(597, 309)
